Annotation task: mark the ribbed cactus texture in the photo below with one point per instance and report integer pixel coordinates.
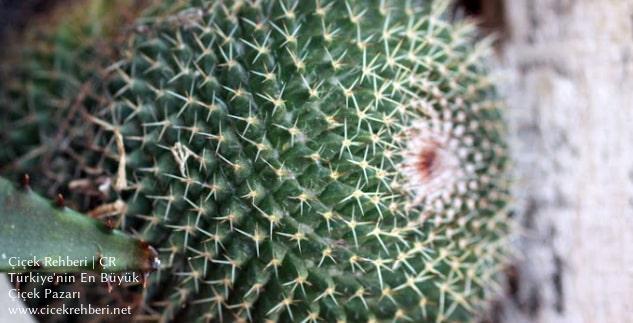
(304, 161)
(51, 74)
(311, 160)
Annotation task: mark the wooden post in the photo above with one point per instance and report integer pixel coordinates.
(567, 71)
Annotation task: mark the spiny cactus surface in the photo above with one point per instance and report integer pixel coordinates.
(51, 74)
(308, 161)
(311, 161)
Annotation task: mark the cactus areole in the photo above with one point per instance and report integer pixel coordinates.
(304, 161)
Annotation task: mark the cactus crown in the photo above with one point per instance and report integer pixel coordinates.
(305, 161)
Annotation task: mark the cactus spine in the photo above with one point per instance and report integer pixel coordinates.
(305, 161)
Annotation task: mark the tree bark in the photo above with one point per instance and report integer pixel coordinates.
(566, 68)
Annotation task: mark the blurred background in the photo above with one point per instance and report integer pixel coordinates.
(15, 13)
(565, 68)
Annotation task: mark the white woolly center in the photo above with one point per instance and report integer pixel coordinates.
(431, 165)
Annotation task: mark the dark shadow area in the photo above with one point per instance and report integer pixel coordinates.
(14, 14)
(489, 14)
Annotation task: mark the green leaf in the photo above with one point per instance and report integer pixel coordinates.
(37, 235)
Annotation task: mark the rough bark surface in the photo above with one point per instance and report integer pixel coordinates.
(567, 71)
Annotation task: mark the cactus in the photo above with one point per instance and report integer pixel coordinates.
(35, 229)
(50, 74)
(305, 161)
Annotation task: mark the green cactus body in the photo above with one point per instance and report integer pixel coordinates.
(309, 161)
(49, 75)
(315, 160)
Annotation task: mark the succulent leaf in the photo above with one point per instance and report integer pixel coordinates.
(58, 239)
